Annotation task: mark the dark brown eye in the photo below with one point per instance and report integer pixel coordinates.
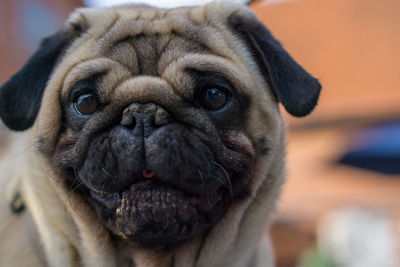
(213, 98)
(86, 104)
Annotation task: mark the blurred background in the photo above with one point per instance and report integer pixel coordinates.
(341, 203)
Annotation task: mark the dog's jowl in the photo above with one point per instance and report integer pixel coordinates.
(156, 135)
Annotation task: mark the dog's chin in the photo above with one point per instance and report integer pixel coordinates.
(154, 213)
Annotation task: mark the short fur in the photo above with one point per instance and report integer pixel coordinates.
(149, 67)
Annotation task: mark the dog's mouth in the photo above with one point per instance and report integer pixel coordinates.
(160, 190)
(154, 212)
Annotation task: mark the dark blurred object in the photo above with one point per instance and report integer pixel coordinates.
(23, 24)
(375, 148)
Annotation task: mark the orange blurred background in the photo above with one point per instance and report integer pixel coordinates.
(353, 48)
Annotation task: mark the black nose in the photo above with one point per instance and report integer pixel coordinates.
(142, 119)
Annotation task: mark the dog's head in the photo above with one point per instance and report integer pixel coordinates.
(160, 119)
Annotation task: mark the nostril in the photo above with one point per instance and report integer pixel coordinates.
(128, 121)
(161, 117)
(143, 119)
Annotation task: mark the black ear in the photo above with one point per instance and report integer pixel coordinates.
(295, 88)
(20, 97)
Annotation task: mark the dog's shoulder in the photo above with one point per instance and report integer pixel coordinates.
(19, 244)
(17, 247)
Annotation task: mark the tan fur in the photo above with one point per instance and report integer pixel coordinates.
(69, 231)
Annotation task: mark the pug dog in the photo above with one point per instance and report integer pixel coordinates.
(148, 137)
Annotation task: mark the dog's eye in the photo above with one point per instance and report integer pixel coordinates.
(214, 98)
(85, 104)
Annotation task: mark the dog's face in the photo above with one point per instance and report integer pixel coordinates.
(157, 117)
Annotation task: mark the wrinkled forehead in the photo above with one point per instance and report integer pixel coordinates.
(147, 41)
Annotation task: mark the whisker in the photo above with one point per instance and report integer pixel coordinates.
(201, 177)
(76, 178)
(107, 173)
(229, 185)
(24, 150)
(76, 187)
(89, 186)
(226, 185)
(262, 205)
(219, 179)
(113, 177)
(102, 187)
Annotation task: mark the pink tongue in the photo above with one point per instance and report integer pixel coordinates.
(148, 173)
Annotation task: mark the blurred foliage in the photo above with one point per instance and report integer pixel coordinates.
(316, 258)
